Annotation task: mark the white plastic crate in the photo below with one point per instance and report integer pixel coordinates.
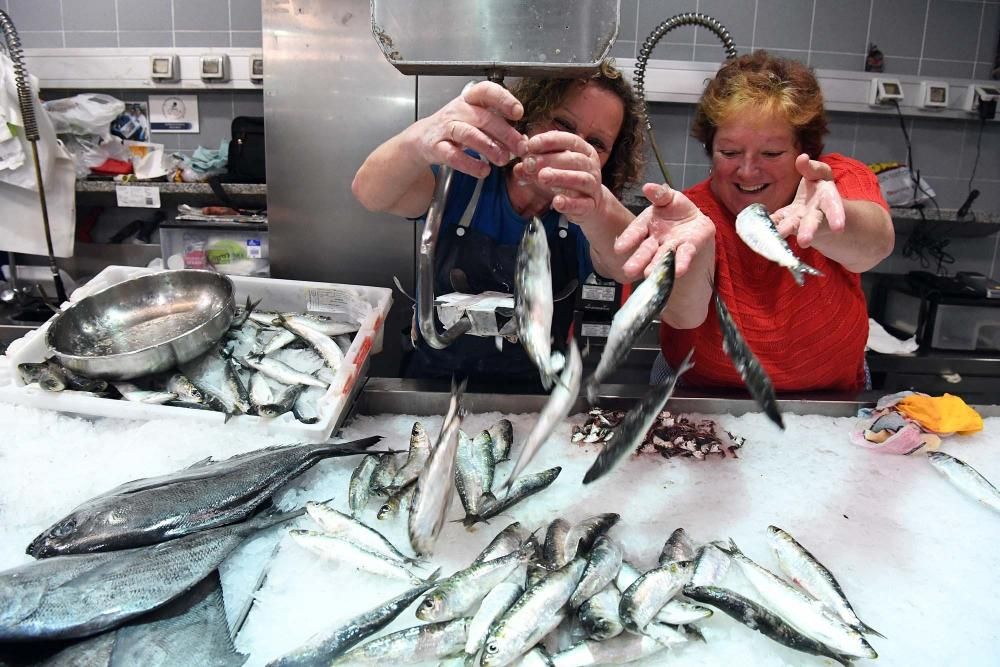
(276, 295)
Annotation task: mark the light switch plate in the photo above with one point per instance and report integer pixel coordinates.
(164, 68)
(215, 67)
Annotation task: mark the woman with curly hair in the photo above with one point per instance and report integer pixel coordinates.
(762, 123)
(559, 149)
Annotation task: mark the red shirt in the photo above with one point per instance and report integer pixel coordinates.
(807, 338)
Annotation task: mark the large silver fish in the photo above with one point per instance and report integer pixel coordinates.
(747, 365)
(631, 320)
(756, 617)
(328, 645)
(802, 611)
(633, 428)
(474, 470)
(534, 614)
(82, 594)
(556, 409)
(533, 302)
(807, 572)
(460, 593)
(206, 495)
(192, 625)
(616, 651)
(966, 478)
(523, 487)
(435, 485)
(422, 643)
(755, 227)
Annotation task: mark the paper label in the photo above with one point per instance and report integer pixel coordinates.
(336, 301)
(595, 330)
(598, 293)
(138, 196)
(253, 249)
(173, 113)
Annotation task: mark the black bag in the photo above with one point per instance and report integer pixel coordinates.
(246, 151)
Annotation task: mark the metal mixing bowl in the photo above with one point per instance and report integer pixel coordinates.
(144, 325)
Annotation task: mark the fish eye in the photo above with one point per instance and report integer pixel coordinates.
(492, 648)
(429, 603)
(65, 528)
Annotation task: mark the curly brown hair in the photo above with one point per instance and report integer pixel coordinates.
(759, 83)
(541, 97)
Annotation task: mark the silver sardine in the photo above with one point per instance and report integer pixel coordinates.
(755, 227)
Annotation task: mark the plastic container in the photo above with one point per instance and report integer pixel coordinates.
(276, 295)
(233, 248)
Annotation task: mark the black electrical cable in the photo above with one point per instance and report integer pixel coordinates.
(914, 174)
(979, 146)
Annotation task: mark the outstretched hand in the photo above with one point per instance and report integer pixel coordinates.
(673, 222)
(478, 119)
(817, 206)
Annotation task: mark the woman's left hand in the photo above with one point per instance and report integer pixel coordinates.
(568, 166)
(817, 206)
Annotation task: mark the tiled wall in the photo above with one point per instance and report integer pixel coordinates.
(136, 23)
(934, 38)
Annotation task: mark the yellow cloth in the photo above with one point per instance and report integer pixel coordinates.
(941, 414)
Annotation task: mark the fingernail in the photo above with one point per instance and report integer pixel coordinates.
(530, 165)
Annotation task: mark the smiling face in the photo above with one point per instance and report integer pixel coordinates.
(753, 161)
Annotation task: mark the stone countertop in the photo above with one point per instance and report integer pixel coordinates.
(174, 188)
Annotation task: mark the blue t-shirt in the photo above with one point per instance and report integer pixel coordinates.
(495, 215)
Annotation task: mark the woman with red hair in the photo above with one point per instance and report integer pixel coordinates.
(762, 123)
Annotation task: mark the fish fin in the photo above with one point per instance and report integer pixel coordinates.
(433, 576)
(869, 630)
(399, 286)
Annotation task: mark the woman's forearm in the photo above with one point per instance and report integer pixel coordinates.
(868, 237)
(394, 179)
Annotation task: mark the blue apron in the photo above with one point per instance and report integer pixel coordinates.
(473, 262)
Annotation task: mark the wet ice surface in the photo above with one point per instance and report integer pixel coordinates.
(918, 560)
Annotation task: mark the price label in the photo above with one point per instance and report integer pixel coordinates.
(138, 196)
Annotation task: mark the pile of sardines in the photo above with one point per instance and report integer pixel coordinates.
(570, 598)
(131, 572)
(267, 364)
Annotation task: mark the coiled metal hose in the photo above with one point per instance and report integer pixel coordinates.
(26, 103)
(639, 80)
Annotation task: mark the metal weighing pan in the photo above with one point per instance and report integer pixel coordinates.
(566, 38)
(144, 325)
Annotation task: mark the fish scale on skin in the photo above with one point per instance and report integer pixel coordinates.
(647, 594)
(603, 564)
(497, 601)
(328, 645)
(532, 616)
(747, 365)
(462, 591)
(210, 494)
(359, 488)
(599, 614)
(533, 303)
(644, 304)
(474, 470)
(82, 594)
(755, 227)
(812, 576)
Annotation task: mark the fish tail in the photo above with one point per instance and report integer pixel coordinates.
(800, 270)
(274, 517)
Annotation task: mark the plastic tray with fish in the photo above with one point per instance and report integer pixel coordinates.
(275, 295)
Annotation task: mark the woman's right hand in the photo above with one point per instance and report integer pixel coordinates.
(478, 119)
(673, 222)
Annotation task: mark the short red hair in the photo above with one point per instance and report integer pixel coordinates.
(768, 86)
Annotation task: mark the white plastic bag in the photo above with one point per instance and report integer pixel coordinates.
(88, 113)
(899, 190)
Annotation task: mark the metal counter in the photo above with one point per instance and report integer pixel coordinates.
(424, 397)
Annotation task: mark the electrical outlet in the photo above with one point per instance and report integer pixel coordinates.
(933, 95)
(164, 68)
(975, 95)
(257, 67)
(215, 68)
(884, 91)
